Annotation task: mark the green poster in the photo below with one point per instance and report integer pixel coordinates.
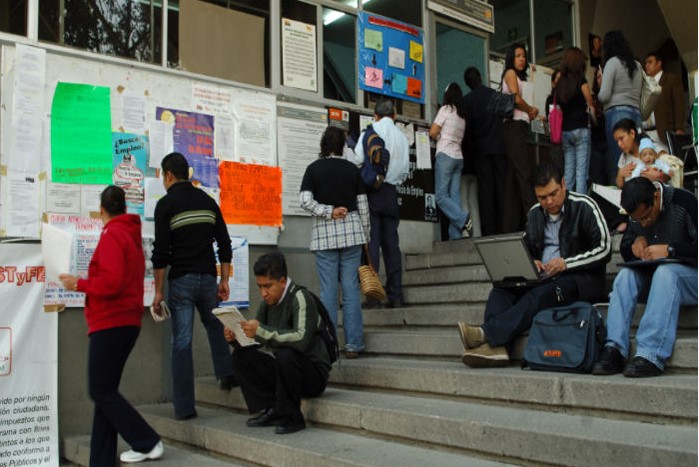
(81, 134)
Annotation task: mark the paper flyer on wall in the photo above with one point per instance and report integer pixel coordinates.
(130, 161)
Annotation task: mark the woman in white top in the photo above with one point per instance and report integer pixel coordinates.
(448, 129)
(519, 192)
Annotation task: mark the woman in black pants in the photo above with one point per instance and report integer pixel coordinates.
(113, 311)
(519, 192)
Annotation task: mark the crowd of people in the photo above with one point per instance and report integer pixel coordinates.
(566, 231)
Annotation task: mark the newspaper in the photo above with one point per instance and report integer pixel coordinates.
(231, 318)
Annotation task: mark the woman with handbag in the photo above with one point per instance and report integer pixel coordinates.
(519, 192)
(333, 192)
(448, 130)
(573, 94)
(620, 91)
(113, 311)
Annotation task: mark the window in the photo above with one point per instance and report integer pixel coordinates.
(339, 56)
(553, 30)
(511, 25)
(13, 17)
(408, 11)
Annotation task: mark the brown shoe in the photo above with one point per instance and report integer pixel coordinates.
(351, 354)
(485, 356)
(471, 336)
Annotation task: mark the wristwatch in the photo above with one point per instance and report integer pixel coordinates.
(670, 251)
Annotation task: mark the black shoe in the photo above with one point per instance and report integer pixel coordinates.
(640, 367)
(190, 416)
(610, 362)
(267, 418)
(228, 382)
(397, 304)
(290, 426)
(371, 304)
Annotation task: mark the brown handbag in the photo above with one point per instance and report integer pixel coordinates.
(369, 280)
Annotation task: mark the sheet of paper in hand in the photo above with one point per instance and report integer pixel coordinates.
(231, 317)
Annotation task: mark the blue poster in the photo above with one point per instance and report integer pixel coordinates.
(130, 159)
(391, 57)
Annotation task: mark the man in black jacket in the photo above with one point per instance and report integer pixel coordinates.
(484, 142)
(663, 225)
(568, 236)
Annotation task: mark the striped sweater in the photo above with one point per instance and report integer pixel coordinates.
(187, 221)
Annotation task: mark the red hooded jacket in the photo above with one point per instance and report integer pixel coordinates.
(114, 284)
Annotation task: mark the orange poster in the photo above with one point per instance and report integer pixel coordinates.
(414, 88)
(251, 194)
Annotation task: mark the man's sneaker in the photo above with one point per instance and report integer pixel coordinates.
(471, 336)
(485, 356)
(467, 230)
(131, 457)
(610, 362)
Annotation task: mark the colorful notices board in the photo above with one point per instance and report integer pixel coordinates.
(391, 58)
(251, 194)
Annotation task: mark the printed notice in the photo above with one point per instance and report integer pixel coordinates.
(22, 216)
(251, 194)
(63, 198)
(299, 55)
(133, 112)
(422, 148)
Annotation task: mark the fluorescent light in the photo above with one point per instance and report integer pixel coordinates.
(333, 15)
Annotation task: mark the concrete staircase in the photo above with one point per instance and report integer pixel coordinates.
(409, 401)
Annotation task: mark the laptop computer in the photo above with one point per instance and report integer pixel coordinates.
(508, 261)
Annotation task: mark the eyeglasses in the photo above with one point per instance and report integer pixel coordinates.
(644, 217)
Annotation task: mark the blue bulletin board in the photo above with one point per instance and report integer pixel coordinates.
(391, 58)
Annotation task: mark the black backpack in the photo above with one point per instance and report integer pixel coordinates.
(376, 159)
(326, 328)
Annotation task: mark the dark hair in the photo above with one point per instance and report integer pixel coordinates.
(272, 265)
(545, 172)
(177, 165)
(453, 97)
(572, 74)
(385, 108)
(332, 142)
(510, 62)
(615, 45)
(472, 77)
(655, 54)
(637, 191)
(625, 124)
(113, 200)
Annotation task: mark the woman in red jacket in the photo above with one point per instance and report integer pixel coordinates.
(113, 311)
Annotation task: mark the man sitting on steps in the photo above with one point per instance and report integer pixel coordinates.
(569, 238)
(663, 225)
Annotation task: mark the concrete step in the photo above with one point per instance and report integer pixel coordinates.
(435, 294)
(450, 314)
(672, 397)
(458, 252)
(515, 434)
(446, 343)
(446, 275)
(222, 431)
(76, 449)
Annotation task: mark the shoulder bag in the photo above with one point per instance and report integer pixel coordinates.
(555, 122)
(501, 105)
(650, 93)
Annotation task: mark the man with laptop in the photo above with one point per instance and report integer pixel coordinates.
(660, 250)
(568, 238)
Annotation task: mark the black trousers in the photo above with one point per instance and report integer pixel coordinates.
(510, 312)
(107, 354)
(519, 191)
(491, 171)
(279, 382)
(384, 215)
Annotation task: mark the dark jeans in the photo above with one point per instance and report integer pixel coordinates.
(491, 170)
(186, 293)
(384, 215)
(107, 354)
(509, 312)
(279, 382)
(519, 191)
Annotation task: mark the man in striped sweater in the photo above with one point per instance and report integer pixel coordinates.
(187, 222)
(569, 239)
(663, 225)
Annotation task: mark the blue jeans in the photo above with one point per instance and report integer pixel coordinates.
(343, 263)
(185, 293)
(576, 151)
(447, 181)
(611, 117)
(671, 285)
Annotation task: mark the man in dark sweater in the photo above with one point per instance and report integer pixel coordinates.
(287, 322)
(187, 221)
(484, 137)
(663, 225)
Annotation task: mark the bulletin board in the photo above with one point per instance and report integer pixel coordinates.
(243, 120)
(391, 57)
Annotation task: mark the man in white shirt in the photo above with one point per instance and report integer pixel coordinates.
(669, 111)
(383, 203)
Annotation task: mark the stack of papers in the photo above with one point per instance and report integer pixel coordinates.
(231, 318)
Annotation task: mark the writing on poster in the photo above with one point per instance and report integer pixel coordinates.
(251, 194)
(130, 160)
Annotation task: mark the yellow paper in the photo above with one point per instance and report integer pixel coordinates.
(374, 40)
(416, 51)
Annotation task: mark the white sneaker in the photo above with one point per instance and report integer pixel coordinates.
(132, 456)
